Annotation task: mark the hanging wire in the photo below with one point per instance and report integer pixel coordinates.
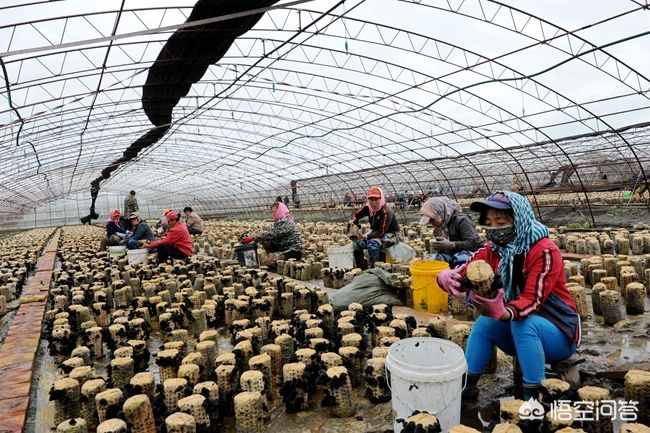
(345, 31)
(11, 105)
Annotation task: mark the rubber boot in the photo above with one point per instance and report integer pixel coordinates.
(537, 409)
(470, 393)
(531, 391)
(360, 260)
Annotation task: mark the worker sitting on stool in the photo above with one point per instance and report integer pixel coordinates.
(456, 237)
(141, 232)
(283, 240)
(178, 242)
(533, 316)
(115, 231)
(384, 229)
(193, 221)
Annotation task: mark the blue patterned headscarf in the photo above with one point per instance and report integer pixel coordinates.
(528, 231)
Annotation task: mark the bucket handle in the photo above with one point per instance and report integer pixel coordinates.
(465, 373)
(387, 372)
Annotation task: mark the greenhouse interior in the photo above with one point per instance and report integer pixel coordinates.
(317, 216)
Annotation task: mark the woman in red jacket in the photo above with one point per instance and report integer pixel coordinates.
(533, 316)
(178, 242)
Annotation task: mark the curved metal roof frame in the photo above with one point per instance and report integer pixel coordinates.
(320, 91)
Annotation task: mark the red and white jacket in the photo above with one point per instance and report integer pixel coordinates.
(178, 237)
(541, 284)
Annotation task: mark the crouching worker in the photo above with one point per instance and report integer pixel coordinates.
(456, 237)
(533, 315)
(283, 241)
(141, 232)
(178, 242)
(115, 231)
(383, 225)
(193, 221)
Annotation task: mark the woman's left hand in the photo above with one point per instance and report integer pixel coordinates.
(494, 308)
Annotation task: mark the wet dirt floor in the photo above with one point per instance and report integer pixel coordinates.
(608, 351)
(369, 417)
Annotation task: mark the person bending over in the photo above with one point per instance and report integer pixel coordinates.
(283, 241)
(533, 315)
(456, 237)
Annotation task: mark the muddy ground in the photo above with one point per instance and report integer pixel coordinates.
(607, 352)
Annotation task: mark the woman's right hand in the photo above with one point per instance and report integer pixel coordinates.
(449, 280)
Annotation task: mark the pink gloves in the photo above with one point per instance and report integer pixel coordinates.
(449, 281)
(493, 308)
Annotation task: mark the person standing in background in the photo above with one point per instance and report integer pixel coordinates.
(131, 204)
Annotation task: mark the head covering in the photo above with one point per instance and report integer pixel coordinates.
(441, 208)
(528, 230)
(115, 213)
(498, 200)
(166, 211)
(172, 215)
(375, 192)
(282, 211)
(135, 215)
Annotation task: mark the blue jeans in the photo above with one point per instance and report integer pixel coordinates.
(534, 341)
(454, 260)
(132, 244)
(373, 246)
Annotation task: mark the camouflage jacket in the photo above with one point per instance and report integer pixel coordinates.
(130, 205)
(283, 237)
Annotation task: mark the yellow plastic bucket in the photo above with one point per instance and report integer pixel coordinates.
(427, 295)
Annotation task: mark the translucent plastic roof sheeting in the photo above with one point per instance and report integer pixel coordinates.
(405, 93)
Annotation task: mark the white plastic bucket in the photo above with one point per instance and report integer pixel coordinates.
(340, 257)
(137, 256)
(426, 374)
(116, 251)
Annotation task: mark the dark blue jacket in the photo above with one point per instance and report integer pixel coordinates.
(142, 231)
(112, 228)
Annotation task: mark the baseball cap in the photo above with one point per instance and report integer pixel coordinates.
(498, 200)
(166, 211)
(427, 211)
(172, 215)
(135, 215)
(374, 192)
